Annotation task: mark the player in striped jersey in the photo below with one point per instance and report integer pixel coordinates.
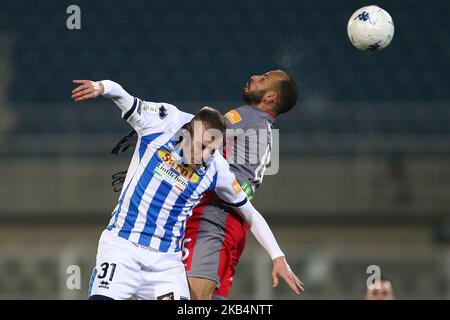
(174, 163)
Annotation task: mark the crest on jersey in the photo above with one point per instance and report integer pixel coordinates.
(162, 112)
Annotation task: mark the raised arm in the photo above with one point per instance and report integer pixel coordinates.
(144, 116)
(88, 90)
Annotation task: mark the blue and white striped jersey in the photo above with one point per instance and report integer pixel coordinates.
(159, 192)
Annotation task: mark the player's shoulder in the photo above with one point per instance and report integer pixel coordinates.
(218, 162)
(247, 117)
(162, 110)
(163, 115)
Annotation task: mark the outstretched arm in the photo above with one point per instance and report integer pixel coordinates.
(88, 90)
(144, 116)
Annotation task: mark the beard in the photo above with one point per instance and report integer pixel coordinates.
(252, 98)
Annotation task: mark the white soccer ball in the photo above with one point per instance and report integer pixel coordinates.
(370, 28)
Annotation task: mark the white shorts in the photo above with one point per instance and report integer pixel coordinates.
(125, 270)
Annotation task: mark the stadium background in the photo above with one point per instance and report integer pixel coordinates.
(364, 158)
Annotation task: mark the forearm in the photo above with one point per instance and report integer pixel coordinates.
(261, 230)
(122, 98)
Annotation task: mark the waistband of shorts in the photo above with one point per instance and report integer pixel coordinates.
(148, 248)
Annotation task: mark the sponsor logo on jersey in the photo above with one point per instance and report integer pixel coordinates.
(147, 107)
(173, 171)
(104, 285)
(172, 177)
(233, 116)
(236, 187)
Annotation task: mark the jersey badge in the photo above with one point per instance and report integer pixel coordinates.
(233, 116)
(162, 112)
(236, 187)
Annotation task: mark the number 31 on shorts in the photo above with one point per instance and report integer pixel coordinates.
(105, 269)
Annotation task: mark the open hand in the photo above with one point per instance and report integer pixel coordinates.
(282, 269)
(87, 90)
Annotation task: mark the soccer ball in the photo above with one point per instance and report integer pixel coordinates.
(370, 28)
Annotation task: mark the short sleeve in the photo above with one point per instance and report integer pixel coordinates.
(153, 117)
(227, 186)
(144, 116)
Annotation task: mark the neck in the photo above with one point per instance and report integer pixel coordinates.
(267, 109)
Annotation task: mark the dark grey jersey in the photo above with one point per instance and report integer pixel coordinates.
(248, 150)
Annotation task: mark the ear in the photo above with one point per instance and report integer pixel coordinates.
(270, 97)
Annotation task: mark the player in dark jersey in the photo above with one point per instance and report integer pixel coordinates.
(215, 237)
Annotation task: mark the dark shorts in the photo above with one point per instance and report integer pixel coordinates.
(214, 240)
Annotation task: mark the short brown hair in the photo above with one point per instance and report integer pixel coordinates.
(212, 117)
(287, 95)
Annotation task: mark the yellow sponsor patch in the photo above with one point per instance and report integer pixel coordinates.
(185, 171)
(236, 187)
(233, 116)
